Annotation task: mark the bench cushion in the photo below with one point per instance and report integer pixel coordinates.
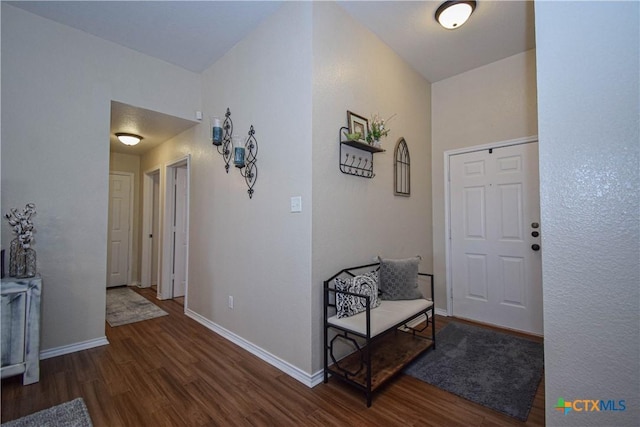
(388, 314)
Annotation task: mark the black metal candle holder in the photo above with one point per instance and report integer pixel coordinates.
(250, 169)
(225, 148)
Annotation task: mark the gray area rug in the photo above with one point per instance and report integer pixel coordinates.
(68, 414)
(496, 370)
(126, 306)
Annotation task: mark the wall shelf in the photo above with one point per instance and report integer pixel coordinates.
(354, 164)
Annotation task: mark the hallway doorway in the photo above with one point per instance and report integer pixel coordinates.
(119, 234)
(175, 231)
(151, 236)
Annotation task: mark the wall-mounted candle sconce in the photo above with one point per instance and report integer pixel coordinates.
(243, 151)
(245, 157)
(221, 137)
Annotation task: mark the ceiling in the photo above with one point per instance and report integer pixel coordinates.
(495, 30)
(153, 126)
(178, 31)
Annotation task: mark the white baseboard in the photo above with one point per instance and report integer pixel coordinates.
(442, 312)
(289, 369)
(415, 322)
(72, 348)
(420, 319)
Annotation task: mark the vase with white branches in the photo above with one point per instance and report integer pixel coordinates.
(22, 257)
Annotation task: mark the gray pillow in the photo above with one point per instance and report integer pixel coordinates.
(365, 284)
(398, 278)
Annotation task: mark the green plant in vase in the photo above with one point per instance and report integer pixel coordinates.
(378, 129)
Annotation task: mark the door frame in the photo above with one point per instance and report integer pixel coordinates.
(165, 285)
(147, 224)
(447, 203)
(131, 176)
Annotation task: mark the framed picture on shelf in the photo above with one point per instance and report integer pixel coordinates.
(358, 124)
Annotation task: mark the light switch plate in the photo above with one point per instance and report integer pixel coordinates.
(296, 204)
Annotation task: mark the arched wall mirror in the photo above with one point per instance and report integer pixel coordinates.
(402, 169)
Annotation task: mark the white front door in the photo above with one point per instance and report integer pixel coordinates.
(495, 255)
(180, 233)
(119, 229)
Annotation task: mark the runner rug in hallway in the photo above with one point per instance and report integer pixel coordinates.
(126, 306)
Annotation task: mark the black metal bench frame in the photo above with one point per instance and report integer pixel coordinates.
(363, 353)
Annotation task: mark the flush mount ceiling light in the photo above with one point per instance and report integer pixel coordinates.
(452, 14)
(128, 138)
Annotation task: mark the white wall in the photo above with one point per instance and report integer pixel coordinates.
(255, 249)
(354, 218)
(588, 74)
(489, 104)
(57, 88)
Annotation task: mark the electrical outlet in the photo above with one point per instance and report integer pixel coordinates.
(230, 302)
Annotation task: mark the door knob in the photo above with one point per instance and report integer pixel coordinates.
(535, 233)
(535, 247)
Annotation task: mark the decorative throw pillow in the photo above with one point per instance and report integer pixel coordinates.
(399, 278)
(365, 284)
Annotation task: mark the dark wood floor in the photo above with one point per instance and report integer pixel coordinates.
(171, 371)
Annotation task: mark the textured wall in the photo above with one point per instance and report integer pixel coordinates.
(588, 73)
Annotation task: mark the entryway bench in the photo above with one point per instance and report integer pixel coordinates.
(380, 338)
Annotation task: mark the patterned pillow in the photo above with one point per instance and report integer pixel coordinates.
(399, 278)
(365, 284)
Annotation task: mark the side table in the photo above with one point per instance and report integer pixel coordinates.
(20, 326)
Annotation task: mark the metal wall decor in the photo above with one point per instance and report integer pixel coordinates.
(402, 169)
(357, 164)
(230, 147)
(248, 167)
(224, 148)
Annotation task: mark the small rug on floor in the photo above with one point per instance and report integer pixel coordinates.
(126, 306)
(493, 369)
(68, 414)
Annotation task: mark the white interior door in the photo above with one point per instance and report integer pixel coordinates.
(180, 233)
(119, 229)
(496, 268)
(155, 228)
